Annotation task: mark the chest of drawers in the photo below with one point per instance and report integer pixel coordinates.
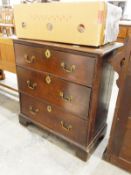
(66, 90)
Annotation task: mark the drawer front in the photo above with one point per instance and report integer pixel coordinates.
(55, 119)
(71, 97)
(122, 32)
(72, 67)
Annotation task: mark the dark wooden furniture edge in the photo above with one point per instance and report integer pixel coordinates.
(122, 59)
(2, 75)
(103, 50)
(81, 152)
(114, 160)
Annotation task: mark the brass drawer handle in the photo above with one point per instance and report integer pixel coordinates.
(31, 85)
(47, 79)
(67, 68)
(65, 126)
(47, 53)
(28, 59)
(67, 99)
(33, 111)
(49, 108)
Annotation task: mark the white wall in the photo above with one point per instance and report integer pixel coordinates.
(12, 2)
(127, 13)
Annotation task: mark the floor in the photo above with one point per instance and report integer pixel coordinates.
(32, 151)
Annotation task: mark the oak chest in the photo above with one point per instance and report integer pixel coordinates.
(65, 89)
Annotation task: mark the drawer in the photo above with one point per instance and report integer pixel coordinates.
(71, 97)
(59, 121)
(71, 67)
(122, 32)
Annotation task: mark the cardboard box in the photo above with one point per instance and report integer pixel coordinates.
(76, 23)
